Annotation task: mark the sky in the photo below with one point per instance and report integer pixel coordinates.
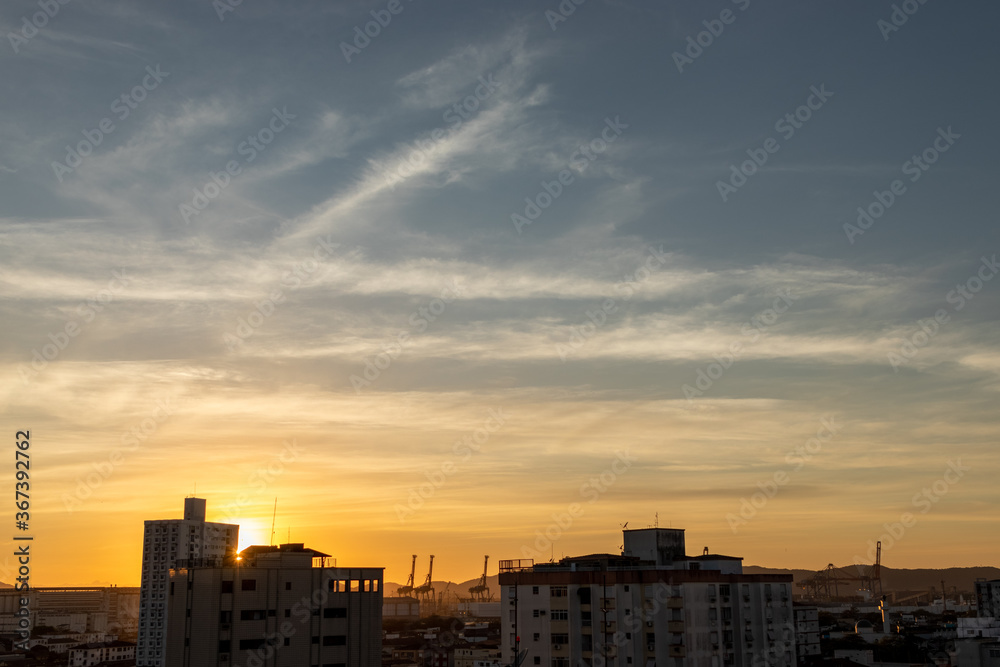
(467, 278)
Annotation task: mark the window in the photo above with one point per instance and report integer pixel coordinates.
(560, 614)
(335, 612)
(224, 645)
(335, 640)
(558, 591)
(560, 639)
(288, 585)
(534, 591)
(560, 662)
(225, 617)
(536, 636)
(171, 588)
(253, 614)
(248, 585)
(538, 660)
(534, 613)
(288, 613)
(251, 644)
(584, 594)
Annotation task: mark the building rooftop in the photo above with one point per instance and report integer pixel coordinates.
(295, 547)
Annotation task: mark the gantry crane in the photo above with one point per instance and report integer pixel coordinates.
(426, 591)
(408, 588)
(481, 592)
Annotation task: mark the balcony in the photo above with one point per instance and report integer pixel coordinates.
(677, 651)
(675, 626)
(675, 602)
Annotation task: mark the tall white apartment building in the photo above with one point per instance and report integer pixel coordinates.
(167, 544)
(651, 605)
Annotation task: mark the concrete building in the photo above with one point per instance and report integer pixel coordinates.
(401, 609)
(88, 655)
(166, 544)
(651, 605)
(274, 605)
(988, 598)
(981, 627)
(806, 634)
(977, 653)
(112, 610)
(477, 656)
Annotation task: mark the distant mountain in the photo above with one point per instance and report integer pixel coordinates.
(901, 580)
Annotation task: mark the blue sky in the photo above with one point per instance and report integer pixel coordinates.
(384, 194)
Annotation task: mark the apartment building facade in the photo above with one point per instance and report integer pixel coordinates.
(807, 634)
(652, 605)
(988, 598)
(166, 543)
(276, 605)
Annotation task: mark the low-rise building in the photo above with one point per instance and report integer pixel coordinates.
(89, 655)
(401, 609)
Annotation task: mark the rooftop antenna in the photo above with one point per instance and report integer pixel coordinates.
(273, 517)
(656, 520)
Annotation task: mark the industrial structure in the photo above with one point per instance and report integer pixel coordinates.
(425, 592)
(406, 590)
(481, 592)
(825, 584)
(111, 610)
